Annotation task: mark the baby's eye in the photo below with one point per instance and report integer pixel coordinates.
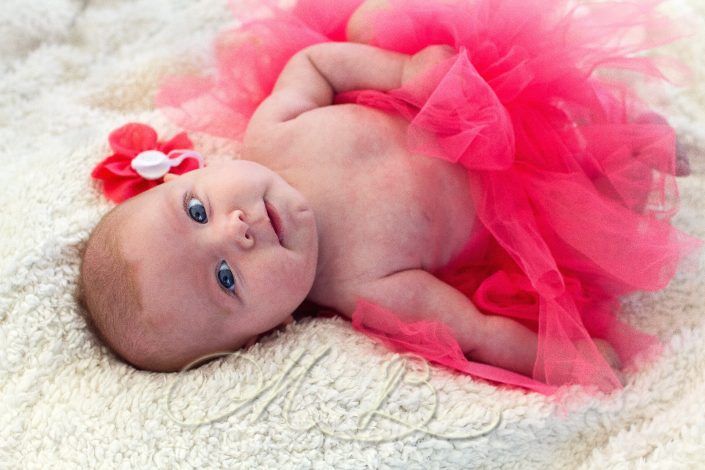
(197, 210)
(225, 276)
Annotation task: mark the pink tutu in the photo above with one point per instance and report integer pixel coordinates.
(572, 178)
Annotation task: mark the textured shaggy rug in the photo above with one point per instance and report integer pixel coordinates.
(70, 72)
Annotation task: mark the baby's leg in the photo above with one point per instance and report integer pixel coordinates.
(359, 28)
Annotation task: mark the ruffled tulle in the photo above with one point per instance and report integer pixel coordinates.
(572, 180)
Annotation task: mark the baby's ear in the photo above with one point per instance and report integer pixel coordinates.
(169, 176)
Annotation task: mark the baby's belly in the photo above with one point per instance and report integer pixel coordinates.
(428, 206)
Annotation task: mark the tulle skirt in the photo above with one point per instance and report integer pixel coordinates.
(573, 178)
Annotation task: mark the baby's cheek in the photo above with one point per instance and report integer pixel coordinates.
(276, 277)
(292, 279)
(290, 275)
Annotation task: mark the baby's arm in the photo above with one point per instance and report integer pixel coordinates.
(416, 295)
(313, 77)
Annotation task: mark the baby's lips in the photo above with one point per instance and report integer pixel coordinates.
(275, 220)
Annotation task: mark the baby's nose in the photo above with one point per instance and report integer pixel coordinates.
(243, 234)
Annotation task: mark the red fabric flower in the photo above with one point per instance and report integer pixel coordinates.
(120, 181)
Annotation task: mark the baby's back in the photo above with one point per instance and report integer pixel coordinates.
(379, 209)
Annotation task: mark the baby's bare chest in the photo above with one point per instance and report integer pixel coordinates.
(380, 209)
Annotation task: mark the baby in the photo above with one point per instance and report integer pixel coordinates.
(326, 205)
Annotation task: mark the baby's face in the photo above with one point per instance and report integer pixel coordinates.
(213, 271)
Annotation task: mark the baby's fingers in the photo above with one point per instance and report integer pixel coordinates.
(608, 353)
(612, 359)
(425, 59)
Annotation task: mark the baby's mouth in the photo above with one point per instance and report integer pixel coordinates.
(275, 220)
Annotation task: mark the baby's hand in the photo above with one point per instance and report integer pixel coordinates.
(611, 357)
(608, 353)
(424, 60)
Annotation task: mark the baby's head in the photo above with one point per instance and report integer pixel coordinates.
(194, 265)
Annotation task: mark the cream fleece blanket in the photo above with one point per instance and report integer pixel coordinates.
(70, 72)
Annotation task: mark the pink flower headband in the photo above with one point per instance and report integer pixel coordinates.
(139, 162)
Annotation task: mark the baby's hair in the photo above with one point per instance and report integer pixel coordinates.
(109, 293)
(107, 290)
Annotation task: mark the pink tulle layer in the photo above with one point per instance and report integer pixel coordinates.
(573, 182)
